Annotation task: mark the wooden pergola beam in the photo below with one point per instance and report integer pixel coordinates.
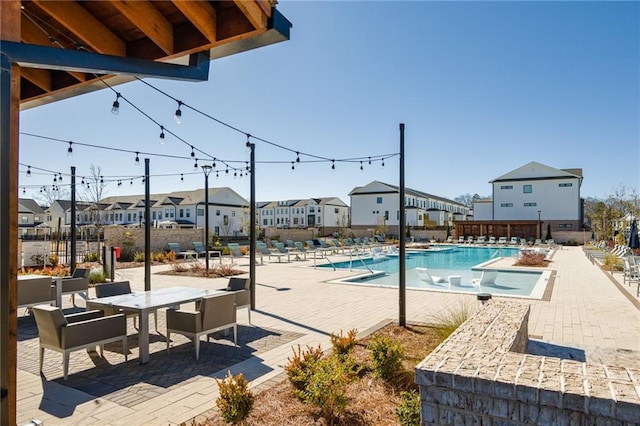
(148, 20)
(84, 26)
(39, 77)
(253, 12)
(202, 15)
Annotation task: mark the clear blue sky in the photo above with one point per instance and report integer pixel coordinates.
(482, 87)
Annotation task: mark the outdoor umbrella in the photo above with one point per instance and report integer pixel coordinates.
(634, 242)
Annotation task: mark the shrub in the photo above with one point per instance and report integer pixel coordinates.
(300, 367)
(327, 386)
(448, 321)
(224, 270)
(160, 257)
(409, 409)
(171, 256)
(342, 345)
(97, 276)
(235, 400)
(386, 356)
(154, 256)
(180, 267)
(612, 261)
(244, 250)
(53, 259)
(529, 258)
(138, 256)
(90, 257)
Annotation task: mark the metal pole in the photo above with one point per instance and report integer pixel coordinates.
(402, 275)
(72, 263)
(252, 231)
(147, 228)
(206, 169)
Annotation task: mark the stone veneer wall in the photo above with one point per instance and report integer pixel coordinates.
(482, 375)
(119, 236)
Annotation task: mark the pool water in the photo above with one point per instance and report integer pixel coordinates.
(465, 262)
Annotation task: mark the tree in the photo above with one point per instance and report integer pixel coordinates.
(93, 194)
(226, 226)
(548, 237)
(49, 194)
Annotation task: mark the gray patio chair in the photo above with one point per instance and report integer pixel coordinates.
(35, 291)
(78, 282)
(214, 313)
(116, 288)
(66, 334)
(242, 289)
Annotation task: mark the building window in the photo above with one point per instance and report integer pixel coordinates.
(200, 212)
(527, 189)
(25, 219)
(379, 200)
(564, 185)
(530, 204)
(153, 215)
(225, 220)
(128, 217)
(386, 215)
(166, 212)
(265, 222)
(188, 213)
(506, 187)
(318, 220)
(135, 216)
(336, 211)
(181, 213)
(312, 210)
(565, 225)
(295, 220)
(217, 212)
(233, 213)
(506, 205)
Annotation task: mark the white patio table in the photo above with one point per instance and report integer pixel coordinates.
(150, 301)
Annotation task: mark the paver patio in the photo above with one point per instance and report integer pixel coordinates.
(295, 305)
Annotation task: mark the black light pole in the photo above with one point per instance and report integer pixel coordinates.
(206, 169)
(539, 225)
(252, 230)
(147, 227)
(72, 264)
(402, 275)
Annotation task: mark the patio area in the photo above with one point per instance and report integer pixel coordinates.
(295, 305)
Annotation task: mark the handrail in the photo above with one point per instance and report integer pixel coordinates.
(361, 260)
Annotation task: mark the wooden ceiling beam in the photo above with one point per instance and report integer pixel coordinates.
(39, 77)
(149, 20)
(202, 15)
(84, 26)
(253, 12)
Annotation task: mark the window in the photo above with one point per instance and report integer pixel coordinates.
(564, 185)
(171, 213)
(336, 211)
(295, 220)
(200, 212)
(166, 212)
(153, 215)
(386, 215)
(379, 200)
(530, 204)
(565, 225)
(506, 187)
(225, 220)
(135, 216)
(160, 214)
(312, 210)
(318, 220)
(527, 189)
(506, 205)
(181, 213)
(265, 222)
(217, 212)
(25, 219)
(128, 217)
(233, 213)
(188, 213)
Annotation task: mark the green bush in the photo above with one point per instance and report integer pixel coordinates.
(341, 344)
(97, 276)
(301, 366)
(448, 321)
(138, 256)
(386, 356)
(409, 409)
(327, 386)
(91, 257)
(235, 400)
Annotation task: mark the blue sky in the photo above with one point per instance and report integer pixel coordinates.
(482, 87)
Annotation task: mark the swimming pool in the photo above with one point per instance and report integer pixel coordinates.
(466, 262)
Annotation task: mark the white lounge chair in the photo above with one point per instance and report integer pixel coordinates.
(492, 240)
(514, 241)
(424, 275)
(481, 240)
(450, 239)
(461, 239)
(488, 277)
(470, 239)
(502, 241)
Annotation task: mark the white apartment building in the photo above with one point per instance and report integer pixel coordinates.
(377, 203)
(228, 211)
(311, 212)
(535, 192)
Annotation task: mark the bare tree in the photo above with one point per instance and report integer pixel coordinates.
(49, 194)
(226, 225)
(93, 193)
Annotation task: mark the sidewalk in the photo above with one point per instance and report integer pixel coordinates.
(295, 305)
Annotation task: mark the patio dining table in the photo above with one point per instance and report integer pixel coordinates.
(150, 301)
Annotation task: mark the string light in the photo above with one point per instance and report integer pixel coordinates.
(361, 166)
(178, 116)
(24, 190)
(59, 177)
(181, 177)
(82, 183)
(70, 150)
(217, 176)
(119, 183)
(293, 166)
(115, 108)
(161, 135)
(193, 154)
(131, 182)
(195, 166)
(101, 180)
(333, 164)
(137, 159)
(28, 171)
(383, 162)
(214, 162)
(369, 160)
(297, 157)
(55, 179)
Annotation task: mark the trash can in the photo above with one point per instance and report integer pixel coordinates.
(117, 252)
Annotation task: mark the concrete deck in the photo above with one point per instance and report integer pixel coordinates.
(295, 306)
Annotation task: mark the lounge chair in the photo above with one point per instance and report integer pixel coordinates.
(502, 241)
(450, 239)
(200, 249)
(281, 249)
(264, 250)
(488, 277)
(492, 240)
(214, 313)
(513, 241)
(470, 239)
(175, 247)
(235, 250)
(461, 239)
(85, 330)
(301, 250)
(424, 275)
(481, 240)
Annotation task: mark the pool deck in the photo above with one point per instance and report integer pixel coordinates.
(296, 305)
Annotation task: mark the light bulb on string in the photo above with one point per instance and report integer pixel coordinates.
(246, 165)
(227, 170)
(161, 135)
(143, 179)
(383, 162)
(41, 189)
(293, 166)
(297, 157)
(361, 169)
(119, 182)
(55, 179)
(115, 108)
(181, 177)
(333, 164)
(70, 150)
(82, 183)
(217, 175)
(24, 190)
(60, 177)
(178, 116)
(235, 174)
(101, 180)
(369, 160)
(131, 182)
(137, 159)
(241, 173)
(214, 163)
(195, 166)
(193, 154)
(28, 171)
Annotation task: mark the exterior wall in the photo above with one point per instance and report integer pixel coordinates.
(484, 211)
(482, 375)
(554, 202)
(366, 211)
(119, 236)
(217, 219)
